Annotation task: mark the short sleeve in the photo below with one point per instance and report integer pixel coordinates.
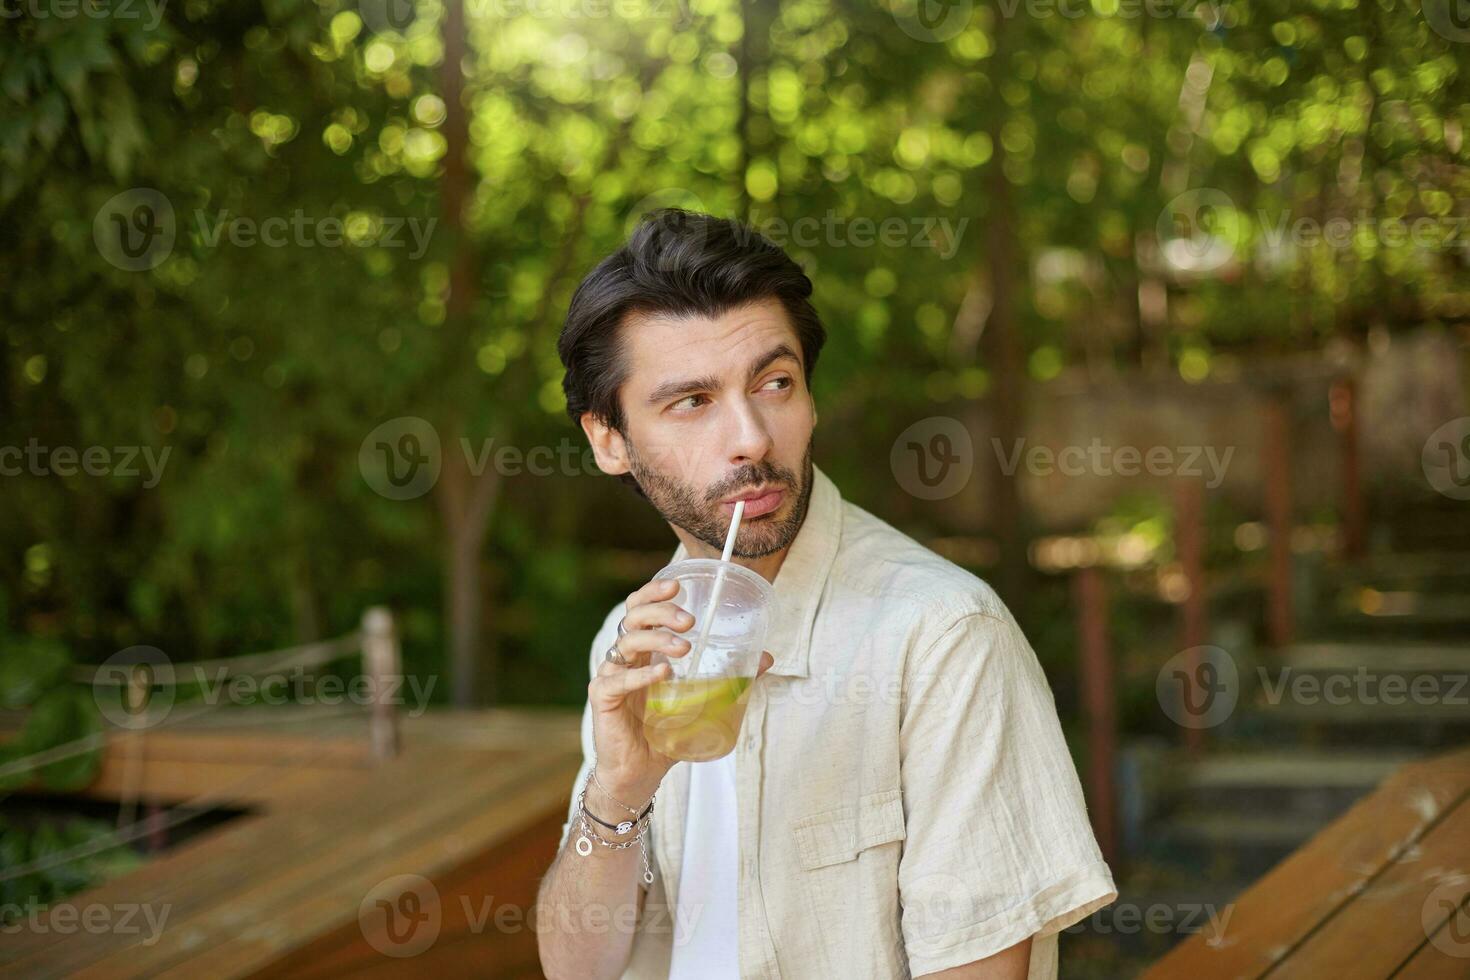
(998, 845)
(600, 643)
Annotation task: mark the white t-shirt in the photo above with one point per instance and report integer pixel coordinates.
(706, 937)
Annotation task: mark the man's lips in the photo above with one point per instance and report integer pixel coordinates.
(756, 506)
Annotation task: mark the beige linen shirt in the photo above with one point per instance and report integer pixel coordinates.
(907, 802)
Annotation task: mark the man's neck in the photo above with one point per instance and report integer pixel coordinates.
(765, 566)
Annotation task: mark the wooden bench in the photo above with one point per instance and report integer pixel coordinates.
(473, 803)
(1380, 892)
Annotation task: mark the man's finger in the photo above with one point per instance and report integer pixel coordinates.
(767, 661)
(609, 689)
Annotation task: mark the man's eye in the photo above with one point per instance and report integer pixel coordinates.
(686, 403)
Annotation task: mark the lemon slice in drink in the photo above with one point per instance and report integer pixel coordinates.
(692, 697)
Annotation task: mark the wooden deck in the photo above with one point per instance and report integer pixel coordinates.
(473, 804)
(1380, 892)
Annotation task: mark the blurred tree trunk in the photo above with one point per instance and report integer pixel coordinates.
(742, 120)
(1004, 353)
(466, 499)
(1008, 394)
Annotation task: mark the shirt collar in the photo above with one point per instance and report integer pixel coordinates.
(802, 578)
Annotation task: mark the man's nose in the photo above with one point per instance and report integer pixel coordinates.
(749, 440)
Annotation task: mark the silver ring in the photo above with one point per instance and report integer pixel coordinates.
(622, 627)
(613, 657)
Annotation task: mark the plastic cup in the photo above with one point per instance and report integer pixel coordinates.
(696, 717)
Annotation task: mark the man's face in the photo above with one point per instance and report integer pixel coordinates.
(717, 407)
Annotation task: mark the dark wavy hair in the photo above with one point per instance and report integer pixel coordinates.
(680, 263)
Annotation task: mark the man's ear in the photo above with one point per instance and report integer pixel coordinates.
(608, 447)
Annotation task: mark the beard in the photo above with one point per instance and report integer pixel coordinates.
(698, 512)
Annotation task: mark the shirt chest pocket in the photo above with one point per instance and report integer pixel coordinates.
(841, 834)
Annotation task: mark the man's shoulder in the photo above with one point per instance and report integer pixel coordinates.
(878, 559)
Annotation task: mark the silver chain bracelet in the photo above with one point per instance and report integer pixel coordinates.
(588, 836)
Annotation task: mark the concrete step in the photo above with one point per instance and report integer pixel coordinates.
(1431, 571)
(1156, 908)
(1356, 627)
(1285, 782)
(1412, 607)
(1415, 694)
(1398, 658)
(1237, 813)
(1233, 846)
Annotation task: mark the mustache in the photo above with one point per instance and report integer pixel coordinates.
(773, 481)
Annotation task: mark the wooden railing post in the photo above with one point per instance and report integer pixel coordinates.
(1100, 707)
(1278, 518)
(382, 664)
(1189, 534)
(1343, 404)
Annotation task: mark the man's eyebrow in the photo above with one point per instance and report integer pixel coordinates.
(671, 389)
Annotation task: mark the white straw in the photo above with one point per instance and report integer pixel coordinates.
(714, 598)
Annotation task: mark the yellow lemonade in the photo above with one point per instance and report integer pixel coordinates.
(695, 720)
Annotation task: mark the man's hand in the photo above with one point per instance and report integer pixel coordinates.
(627, 765)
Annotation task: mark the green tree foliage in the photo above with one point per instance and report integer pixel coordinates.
(1044, 146)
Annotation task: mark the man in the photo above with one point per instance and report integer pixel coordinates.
(900, 801)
